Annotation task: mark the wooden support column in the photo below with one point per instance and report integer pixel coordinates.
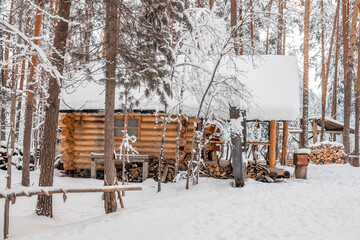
(272, 152)
(284, 143)
(315, 132)
(301, 144)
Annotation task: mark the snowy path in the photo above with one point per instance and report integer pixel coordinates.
(327, 206)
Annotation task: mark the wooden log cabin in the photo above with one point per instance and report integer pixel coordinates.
(272, 80)
(82, 132)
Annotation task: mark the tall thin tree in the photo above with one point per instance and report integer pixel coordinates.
(30, 98)
(111, 42)
(47, 154)
(349, 48)
(305, 117)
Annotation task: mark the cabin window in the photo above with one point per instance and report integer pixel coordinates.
(133, 126)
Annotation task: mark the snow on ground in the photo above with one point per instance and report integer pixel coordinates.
(326, 206)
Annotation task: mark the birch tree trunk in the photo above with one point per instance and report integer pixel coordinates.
(25, 181)
(306, 76)
(47, 154)
(111, 40)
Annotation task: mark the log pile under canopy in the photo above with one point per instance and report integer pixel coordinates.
(327, 152)
(17, 156)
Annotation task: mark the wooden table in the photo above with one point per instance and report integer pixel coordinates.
(100, 158)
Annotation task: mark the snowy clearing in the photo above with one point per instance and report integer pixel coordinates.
(326, 206)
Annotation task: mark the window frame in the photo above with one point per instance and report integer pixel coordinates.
(130, 116)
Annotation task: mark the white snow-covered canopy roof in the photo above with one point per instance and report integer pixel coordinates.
(273, 82)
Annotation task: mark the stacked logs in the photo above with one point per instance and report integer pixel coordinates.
(167, 172)
(327, 152)
(17, 156)
(67, 144)
(218, 172)
(259, 173)
(255, 171)
(133, 173)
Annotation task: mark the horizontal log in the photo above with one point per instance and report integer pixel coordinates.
(68, 121)
(68, 164)
(86, 166)
(66, 157)
(67, 144)
(67, 132)
(55, 190)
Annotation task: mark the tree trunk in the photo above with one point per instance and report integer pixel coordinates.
(337, 49)
(197, 3)
(30, 99)
(111, 40)
(211, 4)
(233, 22)
(349, 48)
(279, 45)
(10, 155)
(357, 109)
(323, 82)
(4, 82)
(306, 76)
(47, 154)
(240, 28)
(284, 29)
(268, 28)
(252, 26)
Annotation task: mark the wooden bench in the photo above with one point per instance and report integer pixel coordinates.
(97, 158)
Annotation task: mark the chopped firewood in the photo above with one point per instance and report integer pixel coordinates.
(327, 152)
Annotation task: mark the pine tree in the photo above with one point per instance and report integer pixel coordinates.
(47, 154)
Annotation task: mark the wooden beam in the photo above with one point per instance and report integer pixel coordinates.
(258, 143)
(272, 151)
(53, 190)
(284, 143)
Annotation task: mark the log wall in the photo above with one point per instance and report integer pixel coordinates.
(83, 133)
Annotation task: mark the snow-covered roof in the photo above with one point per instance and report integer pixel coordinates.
(273, 82)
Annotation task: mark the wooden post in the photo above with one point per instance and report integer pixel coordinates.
(315, 132)
(284, 143)
(301, 144)
(272, 152)
(301, 162)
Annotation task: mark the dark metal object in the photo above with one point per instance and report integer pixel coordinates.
(237, 162)
(239, 145)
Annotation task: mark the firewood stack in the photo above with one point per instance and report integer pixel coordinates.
(4, 157)
(132, 173)
(326, 152)
(218, 172)
(167, 173)
(259, 173)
